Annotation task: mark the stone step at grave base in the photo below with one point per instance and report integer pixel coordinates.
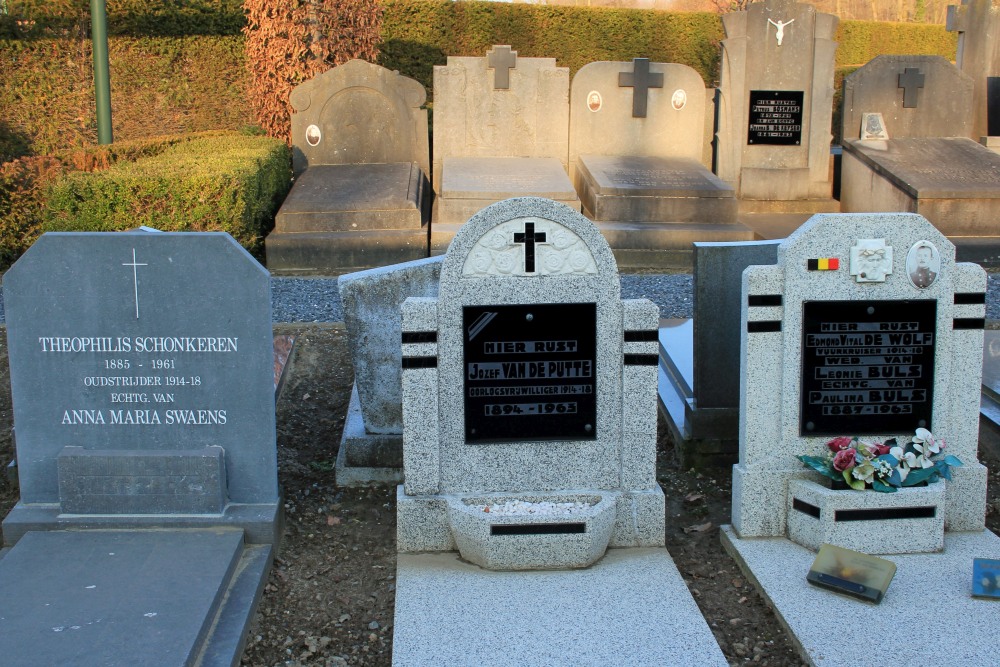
(908, 521)
(367, 458)
(939, 585)
(659, 246)
(449, 612)
(334, 253)
(805, 208)
(96, 598)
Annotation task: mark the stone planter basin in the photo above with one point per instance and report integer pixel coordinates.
(526, 541)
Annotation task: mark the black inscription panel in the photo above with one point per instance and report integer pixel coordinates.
(867, 366)
(530, 372)
(775, 117)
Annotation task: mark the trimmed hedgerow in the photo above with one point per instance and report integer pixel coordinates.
(231, 183)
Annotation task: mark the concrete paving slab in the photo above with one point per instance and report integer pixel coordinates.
(931, 594)
(106, 598)
(630, 608)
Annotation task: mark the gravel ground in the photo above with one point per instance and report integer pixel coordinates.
(301, 300)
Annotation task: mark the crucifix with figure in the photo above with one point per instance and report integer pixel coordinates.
(640, 80)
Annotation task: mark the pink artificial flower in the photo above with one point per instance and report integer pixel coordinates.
(838, 444)
(844, 460)
(878, 449)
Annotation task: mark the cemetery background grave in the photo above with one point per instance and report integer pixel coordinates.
(334, 574)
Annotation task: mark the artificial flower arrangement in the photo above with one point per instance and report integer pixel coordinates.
(884, 466)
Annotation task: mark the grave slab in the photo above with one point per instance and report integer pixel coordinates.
(549, 617)
(952, 181)
(939, 585)
(128, 598)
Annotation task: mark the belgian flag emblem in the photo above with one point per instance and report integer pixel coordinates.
(824, 264)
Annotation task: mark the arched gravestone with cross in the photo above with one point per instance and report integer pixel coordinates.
(639, 158)
(925, 160)
(529, 378)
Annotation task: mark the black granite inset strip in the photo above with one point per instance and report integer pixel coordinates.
(805, 507)
(969, 298)
(968, 323)
(764, 300)
(764, 326)
(642, 360)
(884, 514)
(420, 337)
(644, 336)
(538, 528)
(420, 362)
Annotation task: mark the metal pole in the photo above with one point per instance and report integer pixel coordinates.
(102, 75)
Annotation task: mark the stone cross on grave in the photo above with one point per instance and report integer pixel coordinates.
(501, 60)
(529, 238)
(640, 80)
(911, 81)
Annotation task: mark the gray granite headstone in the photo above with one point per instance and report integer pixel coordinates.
(136, 358)
(776, 101)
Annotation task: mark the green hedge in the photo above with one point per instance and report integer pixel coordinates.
(860, 41)
(231, 183)
(418, 34)
(136, 18)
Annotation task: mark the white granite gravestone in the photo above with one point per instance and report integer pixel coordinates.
(775, 107)
(361, 196)
(869, 348)
(501, 128)
(142, 378)
(928, 164)
(529, 443)
(639, 158)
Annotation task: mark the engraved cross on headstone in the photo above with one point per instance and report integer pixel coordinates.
(911, 81)
(502, 60)
(640, 80)
(529, 238)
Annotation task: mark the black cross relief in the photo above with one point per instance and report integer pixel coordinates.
(529, 238)
(640, 80)
(501, 60)
(911, 81)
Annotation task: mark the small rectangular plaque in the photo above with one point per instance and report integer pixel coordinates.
(986, 578)
(775, 117)
(867, 366)
(530, 372)
(851, 573)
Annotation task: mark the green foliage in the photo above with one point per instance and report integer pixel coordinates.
(158, 86)
(224, 182)
(860, 41)
(23, 184)
(418, 34)
(137, 18)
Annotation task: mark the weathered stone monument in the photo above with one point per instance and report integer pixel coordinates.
(927, 164)
(144, 413)
(361, 162)
(639, 158)
(501, 129)
(371, 448)
(529, 428)
(978, 26)
(775, 107)
(866, 327)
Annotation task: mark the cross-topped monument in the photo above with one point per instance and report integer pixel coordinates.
(501, 60)
(978, 23)
(640, 80)
(911, 81)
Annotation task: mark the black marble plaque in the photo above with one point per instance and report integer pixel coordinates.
(530, 372)
(867, 366)
(775, 117)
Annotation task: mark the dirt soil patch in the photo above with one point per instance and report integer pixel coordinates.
(329, 600)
